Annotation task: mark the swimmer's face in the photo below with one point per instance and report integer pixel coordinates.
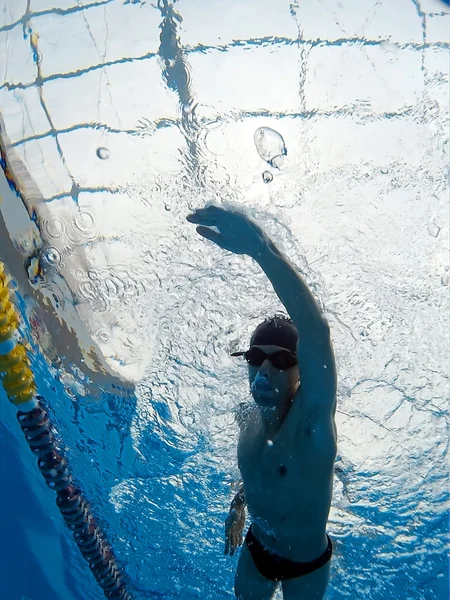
(270, 386)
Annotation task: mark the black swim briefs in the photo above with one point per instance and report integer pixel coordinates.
(275, 568)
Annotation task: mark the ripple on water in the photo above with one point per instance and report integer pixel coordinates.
(81, 228)
(216, 139)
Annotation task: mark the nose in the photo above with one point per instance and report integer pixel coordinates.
(265, 369)
(261, 381)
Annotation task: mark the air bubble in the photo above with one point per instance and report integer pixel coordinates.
(216, 140)
(267, 177)
(270, 146)
(103, 153)
(70, 393)
(270, 443)
(433, 229)
(167, 207)
(384, 171)
(51, 256)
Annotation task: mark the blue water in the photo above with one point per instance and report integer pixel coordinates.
(359, 96)
(168, 534)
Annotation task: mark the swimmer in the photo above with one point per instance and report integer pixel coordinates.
(287, 440)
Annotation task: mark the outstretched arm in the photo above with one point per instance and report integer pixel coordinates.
(241, 235)
(314, 349)
(291, 290)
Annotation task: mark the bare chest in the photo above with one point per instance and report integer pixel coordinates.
(286, 496)
(275, 473)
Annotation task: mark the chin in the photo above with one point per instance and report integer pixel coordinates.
(265, 398)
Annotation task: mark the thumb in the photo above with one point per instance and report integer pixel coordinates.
(208, 233)
(214, 236)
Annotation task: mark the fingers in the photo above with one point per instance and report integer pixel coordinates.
(209, 234)
(230, 545)
(200, 219)
(205, 216)
(236, 541)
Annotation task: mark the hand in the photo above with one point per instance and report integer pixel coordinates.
(237, 232)
(234, 526)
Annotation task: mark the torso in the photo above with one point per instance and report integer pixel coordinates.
(288, 488)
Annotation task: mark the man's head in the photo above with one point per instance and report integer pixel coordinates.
(276, 331)
(272, 362)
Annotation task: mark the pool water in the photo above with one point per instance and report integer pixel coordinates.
(327, 122)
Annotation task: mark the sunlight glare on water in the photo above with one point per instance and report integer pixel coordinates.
(327, 122)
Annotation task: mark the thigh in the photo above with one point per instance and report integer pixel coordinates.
(308, 587)
(249, 584)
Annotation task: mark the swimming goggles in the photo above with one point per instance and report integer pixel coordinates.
(281, 359)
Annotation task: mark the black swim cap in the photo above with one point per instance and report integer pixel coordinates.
(276, 331)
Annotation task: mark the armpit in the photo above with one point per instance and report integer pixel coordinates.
(323, 436)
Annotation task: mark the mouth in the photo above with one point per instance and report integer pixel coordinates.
(261, 385)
